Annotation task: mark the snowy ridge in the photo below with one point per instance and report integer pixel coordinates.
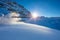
(25, 31)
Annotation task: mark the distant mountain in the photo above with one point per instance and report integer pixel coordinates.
(52, 22)
(10, 6)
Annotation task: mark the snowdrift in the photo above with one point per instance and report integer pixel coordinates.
(25, 31)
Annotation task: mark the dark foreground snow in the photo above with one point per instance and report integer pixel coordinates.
(24, 31)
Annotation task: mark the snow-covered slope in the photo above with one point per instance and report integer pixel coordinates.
(25, 31)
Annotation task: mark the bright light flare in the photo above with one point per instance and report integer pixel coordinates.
(34, 15)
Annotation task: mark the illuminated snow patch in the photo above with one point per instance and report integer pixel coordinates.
(7, 19)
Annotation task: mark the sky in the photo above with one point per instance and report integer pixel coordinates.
(48, 8)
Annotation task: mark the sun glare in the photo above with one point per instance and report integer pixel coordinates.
(34, 15)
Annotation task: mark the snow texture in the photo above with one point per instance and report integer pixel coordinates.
(25, 31)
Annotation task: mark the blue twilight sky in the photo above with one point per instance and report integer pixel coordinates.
(49, 8)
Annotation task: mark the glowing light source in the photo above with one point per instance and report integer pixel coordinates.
(34, 15)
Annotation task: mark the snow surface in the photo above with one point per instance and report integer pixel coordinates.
(25, 31)
(11, 29)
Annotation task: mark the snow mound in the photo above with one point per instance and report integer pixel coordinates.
(25, 31)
